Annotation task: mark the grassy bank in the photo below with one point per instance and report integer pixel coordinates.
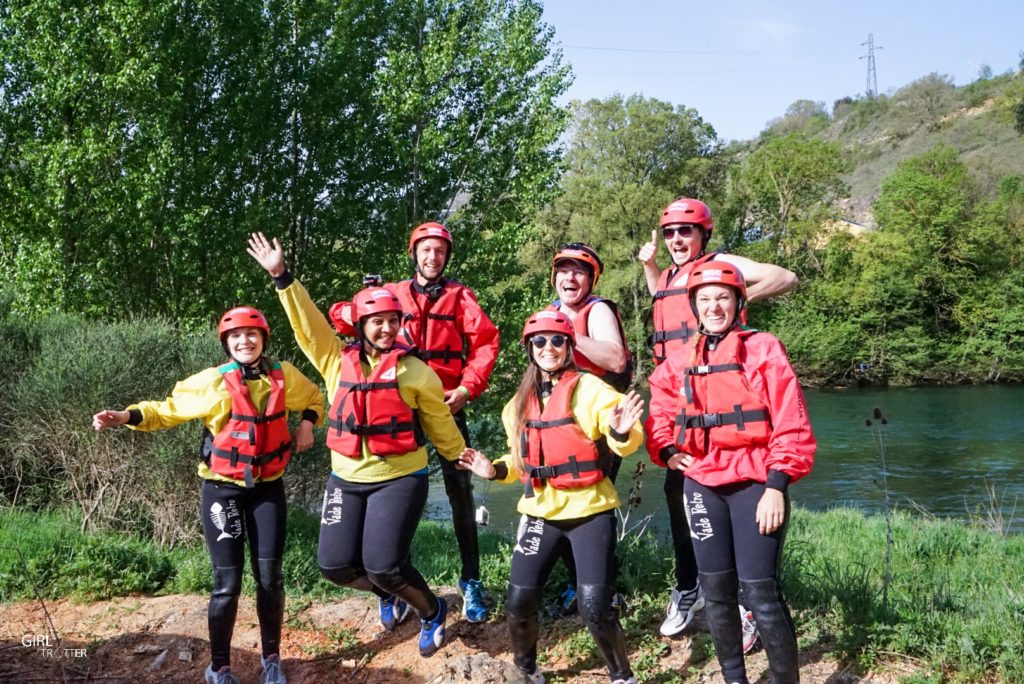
(953, 604)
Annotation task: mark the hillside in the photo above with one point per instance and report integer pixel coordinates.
(976, 120)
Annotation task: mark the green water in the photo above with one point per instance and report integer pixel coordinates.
(946, 447)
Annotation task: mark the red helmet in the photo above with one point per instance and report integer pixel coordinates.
(685, 210)
(340, 316)
(427, 230)
(374, 300)
(717, 273)
(584, 254)
(548, 321)
(242, 317)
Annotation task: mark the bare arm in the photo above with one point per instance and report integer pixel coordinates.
(604, 346)
(764, 281)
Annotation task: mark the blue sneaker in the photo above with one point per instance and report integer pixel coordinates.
(565, 604)
(393, 611)
(222, 676)
(473, 608)
(272, 671)
(432, 631)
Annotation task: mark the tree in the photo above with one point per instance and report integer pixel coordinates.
(790, 179)
(627, 158)
(143, 141)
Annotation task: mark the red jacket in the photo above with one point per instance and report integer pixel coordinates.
(556, 451)
(451, 332)
(252, 443)
(372, 408)
(766, 369)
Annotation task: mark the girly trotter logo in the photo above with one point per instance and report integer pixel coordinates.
(225, 520)
(528, 536)
(332, 507)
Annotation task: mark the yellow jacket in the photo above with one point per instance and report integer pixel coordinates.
(204, 396)
(419, 386)
(592, 404)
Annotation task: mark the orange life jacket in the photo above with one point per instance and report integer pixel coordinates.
(252, 443)
(581, 324)
(555, 450)
(434, 328)
(673, 319)
(717, 403)
(372, 408)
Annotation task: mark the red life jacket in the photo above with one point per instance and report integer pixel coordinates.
(372, 408)
(433, 326)
(252, 443)
(674, 321)
(555, 450)
(717, 403)
(581, 324)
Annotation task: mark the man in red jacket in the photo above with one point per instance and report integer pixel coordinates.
(460, 343)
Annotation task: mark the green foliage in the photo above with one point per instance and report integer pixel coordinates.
(142, 143)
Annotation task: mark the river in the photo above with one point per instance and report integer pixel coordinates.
(948, 450)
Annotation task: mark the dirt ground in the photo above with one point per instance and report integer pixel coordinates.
(162, 640)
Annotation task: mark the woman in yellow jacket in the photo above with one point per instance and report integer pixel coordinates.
(244, 405)
(552, 423)
(381, 398)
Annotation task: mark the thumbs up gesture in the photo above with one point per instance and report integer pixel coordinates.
(649, 250)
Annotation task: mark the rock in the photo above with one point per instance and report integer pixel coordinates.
(158, 662)
(480, 668)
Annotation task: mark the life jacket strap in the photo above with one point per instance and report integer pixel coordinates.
(737, 417)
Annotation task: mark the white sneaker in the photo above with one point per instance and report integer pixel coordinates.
(750, 634)
(535, 677)
(682, 606)
(631, 680)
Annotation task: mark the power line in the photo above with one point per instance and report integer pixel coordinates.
(872, 86)
(709, 52)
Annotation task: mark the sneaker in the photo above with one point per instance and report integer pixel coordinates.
(619, 604)
(682, 606)
(565, 604)
(272, 671)
(473, 608)
(393, 612)
(222, 676)
(535, 677)
(631, 680)
(432, 631)
(750, 634)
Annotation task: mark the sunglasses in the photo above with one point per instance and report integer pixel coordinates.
(685, 231)
(557, 341)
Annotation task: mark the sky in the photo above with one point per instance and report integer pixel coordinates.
(741, 64)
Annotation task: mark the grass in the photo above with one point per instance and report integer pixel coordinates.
(955, 604)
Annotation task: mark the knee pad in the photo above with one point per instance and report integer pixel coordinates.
(227, 582)
(595, 603)
(342, 576)
(268, 574)
(389, 580)
(521, 602)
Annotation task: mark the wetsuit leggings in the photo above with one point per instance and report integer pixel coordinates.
(733, 558)
(366, 532)
(615, 464)
(675, 498)
(539, 543)
(231, 515)
(458, 485)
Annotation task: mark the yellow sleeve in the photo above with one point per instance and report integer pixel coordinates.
(593, 403)
(313, 332)
(301, 393)
(421, 389)
(198, 396)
